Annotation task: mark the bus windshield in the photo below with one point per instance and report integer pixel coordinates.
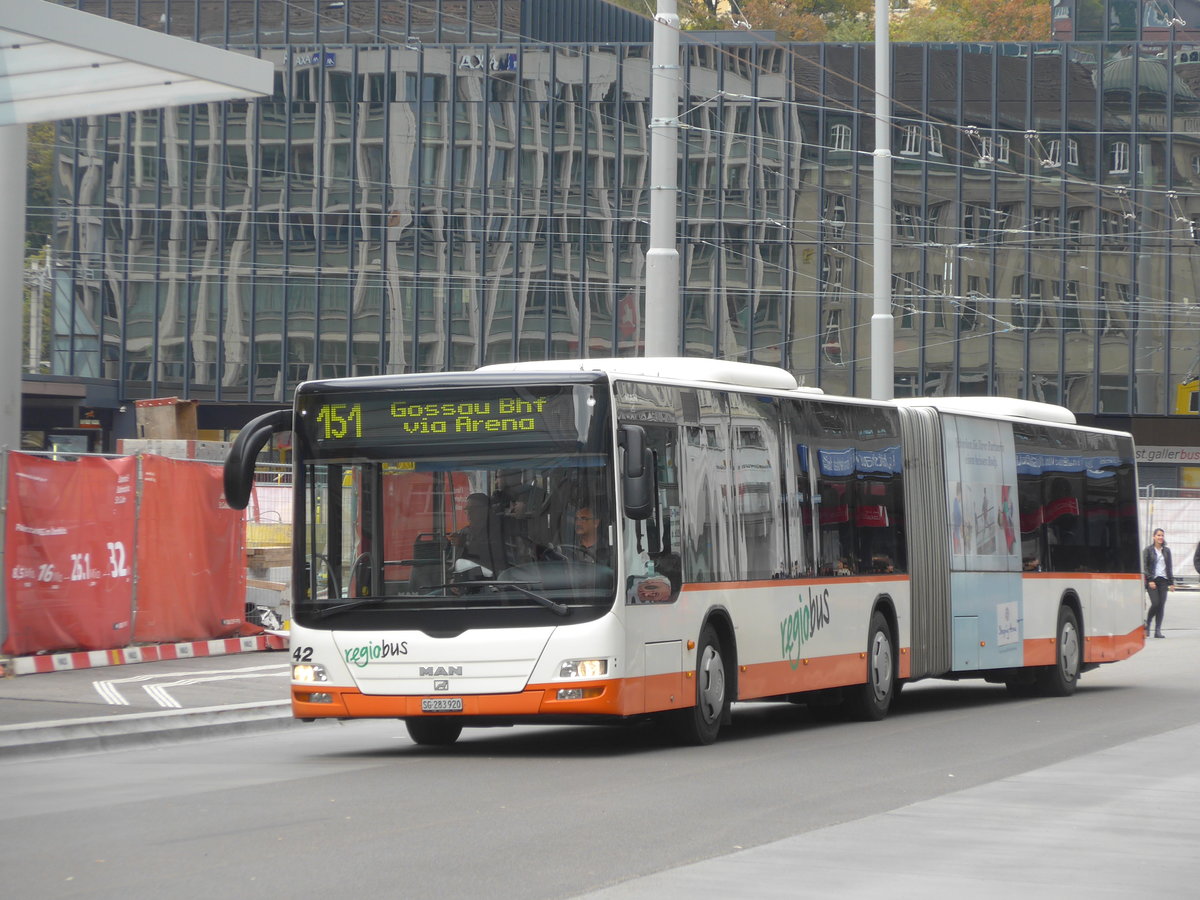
(442, 530)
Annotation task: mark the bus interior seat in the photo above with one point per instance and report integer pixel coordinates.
(427, 562)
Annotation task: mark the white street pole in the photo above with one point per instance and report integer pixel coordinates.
(13, 163)
(883, 379)
(662, 322)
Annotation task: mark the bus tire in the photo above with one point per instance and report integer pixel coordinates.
(700, 724)
(433, 732)
(872, 700)
(1061, 679)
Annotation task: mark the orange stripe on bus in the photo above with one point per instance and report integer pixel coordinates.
(1096, 648)
(1113, 647)
(817, 674)
(618, 697)
(1080, 576)
(791, 582)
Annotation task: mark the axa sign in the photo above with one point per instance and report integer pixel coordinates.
(500, 62)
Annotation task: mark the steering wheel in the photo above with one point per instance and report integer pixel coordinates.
(576, 553)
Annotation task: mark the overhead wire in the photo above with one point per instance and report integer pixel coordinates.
(845, 106)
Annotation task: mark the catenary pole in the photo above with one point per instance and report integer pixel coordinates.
(662, 322)
(883, 381)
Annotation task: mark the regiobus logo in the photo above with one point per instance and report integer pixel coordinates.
(798, 629)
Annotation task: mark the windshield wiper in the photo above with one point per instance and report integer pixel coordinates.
(352, 604)
(519, 586)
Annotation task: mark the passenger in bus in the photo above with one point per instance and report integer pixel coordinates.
(517, 495)
(521, 506)
(477, 542)
(652, 589)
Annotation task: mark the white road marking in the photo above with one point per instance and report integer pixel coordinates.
(113, 696)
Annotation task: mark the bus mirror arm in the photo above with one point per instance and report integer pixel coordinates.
(239, 464)
(637, 474)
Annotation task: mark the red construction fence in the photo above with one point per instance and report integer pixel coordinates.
(102, 553)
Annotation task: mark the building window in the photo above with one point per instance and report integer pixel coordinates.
(994, 149)
(1026, 303)
(933, 212)
(1072, 152)
(1072, 320)
(1075, 226)
(831, 343)
(935, 141)
(907, 217)
(937, 293)
(1045, 223)
(986, 151)
(1053, 158)
(1114, 228)
(1118, 158)
(834, 220)
(1020, 313)
(977, 222)
(912, 140)
(839, 137)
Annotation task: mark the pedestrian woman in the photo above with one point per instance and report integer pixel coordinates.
(1156, 564)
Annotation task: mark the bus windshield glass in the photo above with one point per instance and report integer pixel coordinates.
(424, 509)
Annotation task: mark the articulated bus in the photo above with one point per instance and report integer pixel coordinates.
(626, 539)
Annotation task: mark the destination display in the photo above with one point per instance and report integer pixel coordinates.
(416, 417)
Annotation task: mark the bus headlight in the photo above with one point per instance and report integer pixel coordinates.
(309, 673)
(583, 668)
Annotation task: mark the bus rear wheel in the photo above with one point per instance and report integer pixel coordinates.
(433, 732)
(1061, 679)
(700, 724)
(872, 700)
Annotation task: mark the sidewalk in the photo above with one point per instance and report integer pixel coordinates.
(83, 709)
(1120, 822)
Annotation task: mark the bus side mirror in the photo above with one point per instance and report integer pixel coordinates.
(239, 464)
(637, 473)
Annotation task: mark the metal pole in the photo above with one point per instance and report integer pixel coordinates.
(13, 162)
(663, 324)
(883, 347)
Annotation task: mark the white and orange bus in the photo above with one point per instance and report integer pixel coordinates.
(610, 540)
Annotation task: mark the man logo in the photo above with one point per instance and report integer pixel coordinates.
(435, 671)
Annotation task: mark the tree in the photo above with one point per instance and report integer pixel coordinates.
(791, 20)
(799, 20)
(970, 20)
(854, 20)
(39, 187)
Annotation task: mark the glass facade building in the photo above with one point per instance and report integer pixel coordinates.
(442, 184)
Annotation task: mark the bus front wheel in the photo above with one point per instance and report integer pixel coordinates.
(433, 732)
(700, 724)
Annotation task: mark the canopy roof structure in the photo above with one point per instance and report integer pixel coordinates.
(59, 63)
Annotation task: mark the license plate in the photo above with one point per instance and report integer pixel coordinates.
(442, 704)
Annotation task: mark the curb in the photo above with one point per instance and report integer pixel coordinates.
(91, 659)
(112, 732)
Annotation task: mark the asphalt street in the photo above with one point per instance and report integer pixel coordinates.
(1136, 834)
